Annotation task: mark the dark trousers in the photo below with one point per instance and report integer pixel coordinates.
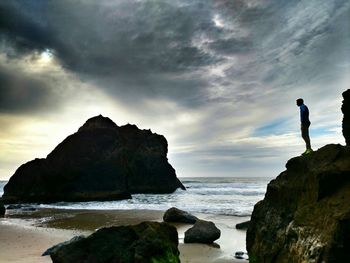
(305, 134)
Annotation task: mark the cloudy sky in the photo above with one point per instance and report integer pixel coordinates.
(217, 78)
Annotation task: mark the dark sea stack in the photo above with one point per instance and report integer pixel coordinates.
(305, 215)
(346, 119)
(148, 242)
(101, 161)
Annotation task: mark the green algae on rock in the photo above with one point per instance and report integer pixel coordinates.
(147, 242)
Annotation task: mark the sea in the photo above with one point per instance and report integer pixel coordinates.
(234, 196)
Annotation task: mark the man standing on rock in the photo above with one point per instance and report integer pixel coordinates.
(305, 124)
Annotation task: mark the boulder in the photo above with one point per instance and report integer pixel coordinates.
(2, 208)
(148, 242)
(305, 215)
(55, 248)
(101, 161)
(202, 232)
(346, 119)
(179, 216)
(243, 225)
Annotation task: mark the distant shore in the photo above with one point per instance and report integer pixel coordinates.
(24, 236)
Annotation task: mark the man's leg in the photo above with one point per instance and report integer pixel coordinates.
(305, 135)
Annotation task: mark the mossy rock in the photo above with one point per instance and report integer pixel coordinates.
(147, 242)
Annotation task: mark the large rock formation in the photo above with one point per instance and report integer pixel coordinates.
(148, 242)
(305, 216)
(346, 120)
(101, 161)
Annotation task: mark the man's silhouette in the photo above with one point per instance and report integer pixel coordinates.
(305, 124)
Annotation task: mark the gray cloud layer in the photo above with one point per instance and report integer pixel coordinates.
(19, 94)
(139, 46)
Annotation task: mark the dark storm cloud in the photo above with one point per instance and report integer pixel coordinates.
(231, 46)
(21, 29)
(166, 49)
(111, 43)
(104, 38)
(20, 93)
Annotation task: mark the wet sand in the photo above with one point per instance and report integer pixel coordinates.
(24, 236)
(23, 243)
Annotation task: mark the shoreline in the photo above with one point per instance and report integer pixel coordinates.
(25, 235)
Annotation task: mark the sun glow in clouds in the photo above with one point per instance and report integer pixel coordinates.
(46, 57)
(44, 61)
(218, 22)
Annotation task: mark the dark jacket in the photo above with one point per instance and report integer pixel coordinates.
(304, 114)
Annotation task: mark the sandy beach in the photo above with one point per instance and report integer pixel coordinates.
(24, 236)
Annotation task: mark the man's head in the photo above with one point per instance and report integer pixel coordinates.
(300, 102)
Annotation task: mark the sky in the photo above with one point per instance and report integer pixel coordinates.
(218, 79)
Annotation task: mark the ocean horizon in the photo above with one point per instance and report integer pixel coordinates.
(235, 196)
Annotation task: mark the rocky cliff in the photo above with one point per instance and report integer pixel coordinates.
(101, 161)
(305, 215)
(2, 208)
